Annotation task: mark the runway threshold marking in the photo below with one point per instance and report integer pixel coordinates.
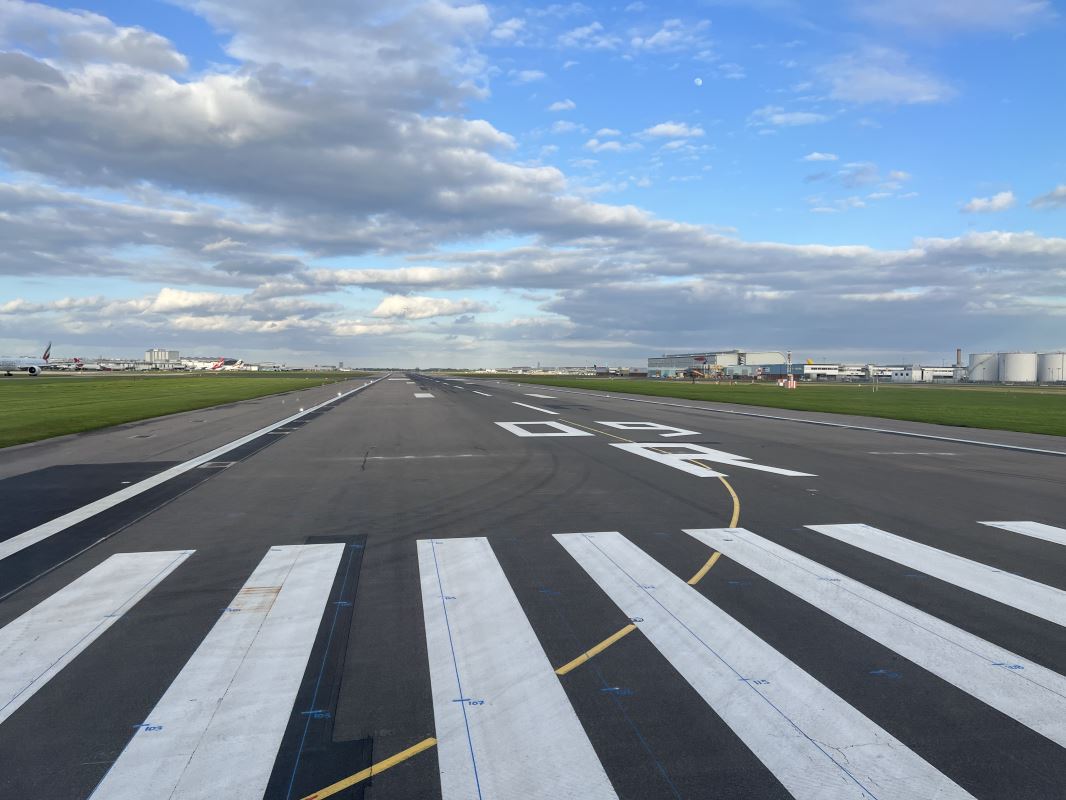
(373, 769)
(701, 573)
(536, 408)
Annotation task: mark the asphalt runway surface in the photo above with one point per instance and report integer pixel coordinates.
(418, 588)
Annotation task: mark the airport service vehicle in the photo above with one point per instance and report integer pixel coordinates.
(25, 363)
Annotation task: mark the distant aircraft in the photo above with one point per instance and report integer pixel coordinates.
(222, 366)
(81, 365)
(30, 365)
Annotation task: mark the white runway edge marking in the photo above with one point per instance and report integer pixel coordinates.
(59, 524)
(536, 408)
(1031, 694)
(825, 424)
(483, 394)
(217, 729)
(41, 642)
(1037, 599)
(504, 725)
(1038, 530)
(817, 745)
(542, 396)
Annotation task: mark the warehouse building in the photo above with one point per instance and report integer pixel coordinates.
(711, 363)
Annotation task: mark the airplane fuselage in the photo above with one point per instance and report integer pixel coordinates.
(34, 366)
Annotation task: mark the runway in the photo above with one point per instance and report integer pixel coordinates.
(409, 586)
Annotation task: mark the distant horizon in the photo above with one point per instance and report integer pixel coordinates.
(494, 183)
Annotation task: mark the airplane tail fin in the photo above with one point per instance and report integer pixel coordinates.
(47, 352)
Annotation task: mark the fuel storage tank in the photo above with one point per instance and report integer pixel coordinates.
(1017, 367)
(1051, 367)
(984, 368)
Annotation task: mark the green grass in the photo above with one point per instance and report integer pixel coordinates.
(39, 408)
(1030, 410)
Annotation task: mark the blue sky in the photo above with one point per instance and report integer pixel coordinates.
(448, 183)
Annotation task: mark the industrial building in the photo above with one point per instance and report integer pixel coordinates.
(670, 366)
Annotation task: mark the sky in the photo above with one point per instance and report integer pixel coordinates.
(437, 183)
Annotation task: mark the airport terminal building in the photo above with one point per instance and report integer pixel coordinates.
(670, 366)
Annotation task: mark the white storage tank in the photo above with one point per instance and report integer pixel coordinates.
(984, 368)
(1017, 367)
(1051, 367)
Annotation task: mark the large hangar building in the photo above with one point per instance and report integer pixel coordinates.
(669, 366)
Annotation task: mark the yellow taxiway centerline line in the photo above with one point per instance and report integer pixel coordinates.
(374, 769)
(592, 651)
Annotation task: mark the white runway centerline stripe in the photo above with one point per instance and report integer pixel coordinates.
(217, 729)
(536, 408)
(483, 394)
(542, 396)
(505, 728)
(1031, 694)
(1038, 530)
(817, 745)
(1037, 599)
(422, 395)
(52, 527)
(37, 645)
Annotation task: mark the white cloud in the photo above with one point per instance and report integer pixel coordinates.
(563, 105)
(997, 202)
(816, 156)
(731, 71)
(413, 307)
(881, 75)
(673, 36)
(528, 75)
(566, 126)
(778, 117)
(1056, 198)
(610, 146)
(674, 130)
(608, 132)
(82, 37)
(589, 37)
(508, 30)
(637, 6)
(929, 16)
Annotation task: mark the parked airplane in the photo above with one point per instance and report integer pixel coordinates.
(222, 366)
(26, 364)
(81, 365)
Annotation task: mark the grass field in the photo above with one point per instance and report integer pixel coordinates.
(1030, 410)
(38, 408)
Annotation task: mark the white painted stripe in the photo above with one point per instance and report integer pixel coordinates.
(59, 524)
(536, 408)
(1038, 530)
(483, 394)
(823, 423)
(423, 394)
(541, 396)
(504, 725)
(217, 729)
(1033, 695)
(1037, 599)
(554, 429)
(37, 645)
(817, 745)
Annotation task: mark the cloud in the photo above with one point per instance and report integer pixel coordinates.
(881, 75)
(528, 75)
(997, 202)
(509, 30)
(731, 71)
(673, 36)
(929, 16)
(563, 105)
(608, 132)
(412, 307)
(610, 146)
(589, 37)
(566, 126)
(778, 117)
(674, 130)
(82, 37)
(816, 156)
(1056, 198)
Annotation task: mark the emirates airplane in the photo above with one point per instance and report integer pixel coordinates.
(25, 363)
